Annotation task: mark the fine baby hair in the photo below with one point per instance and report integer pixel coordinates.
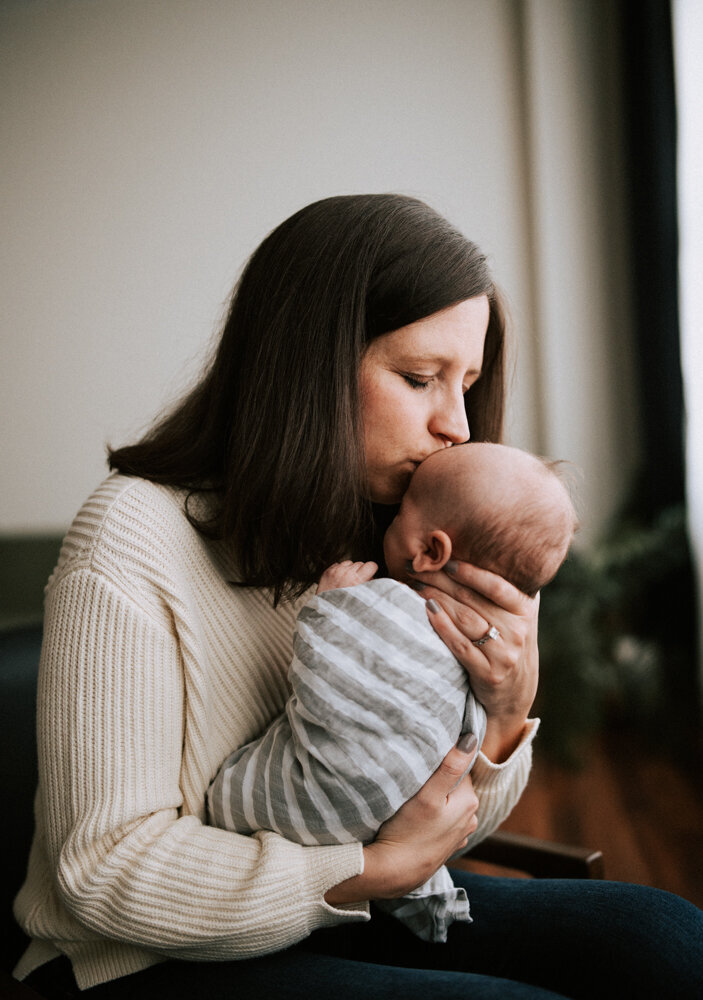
(498, 507)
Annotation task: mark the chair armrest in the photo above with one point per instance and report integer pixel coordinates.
(541, 858)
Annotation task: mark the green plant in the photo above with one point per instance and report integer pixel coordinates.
(617, 638)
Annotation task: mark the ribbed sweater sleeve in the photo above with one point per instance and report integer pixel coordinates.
(128, 864)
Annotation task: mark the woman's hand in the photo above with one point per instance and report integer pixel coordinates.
(409, 848)
(464, 603)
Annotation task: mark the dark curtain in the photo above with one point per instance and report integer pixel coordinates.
(650, 136)
(662, 607)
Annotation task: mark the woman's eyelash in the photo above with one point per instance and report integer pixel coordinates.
(424, 381)
(416, 382)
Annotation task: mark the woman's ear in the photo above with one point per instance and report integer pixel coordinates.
(436, 551)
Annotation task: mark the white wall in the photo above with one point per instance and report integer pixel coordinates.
(583, 335)
(149, 145)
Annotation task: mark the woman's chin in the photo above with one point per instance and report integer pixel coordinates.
(392, 491)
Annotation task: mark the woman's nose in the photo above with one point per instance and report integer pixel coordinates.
(451, 423)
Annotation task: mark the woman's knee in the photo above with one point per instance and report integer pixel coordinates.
(634, 940)
(586, 937)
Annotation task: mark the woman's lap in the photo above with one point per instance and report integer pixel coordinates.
(574, 938)
(301, 975)
(578, 938)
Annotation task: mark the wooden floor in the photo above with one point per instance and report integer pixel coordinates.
(641, 811)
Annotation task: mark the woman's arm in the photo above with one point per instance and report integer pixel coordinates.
(128, 863)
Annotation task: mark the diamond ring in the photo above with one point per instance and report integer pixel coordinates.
(492, 633)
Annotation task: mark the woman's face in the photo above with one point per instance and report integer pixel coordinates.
(413, 383)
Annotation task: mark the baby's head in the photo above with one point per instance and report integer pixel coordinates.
(497, 507)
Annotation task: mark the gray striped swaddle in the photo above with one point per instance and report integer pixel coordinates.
(377, 702)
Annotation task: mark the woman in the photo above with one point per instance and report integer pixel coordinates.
(365, 333)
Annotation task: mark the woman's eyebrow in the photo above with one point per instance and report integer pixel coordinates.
(436, 359)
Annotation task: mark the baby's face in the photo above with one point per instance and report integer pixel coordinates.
(402, 541)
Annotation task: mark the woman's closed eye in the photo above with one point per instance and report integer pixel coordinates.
(417, 381)
(421, 382)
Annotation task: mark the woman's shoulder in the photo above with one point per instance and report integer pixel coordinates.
(126, 520)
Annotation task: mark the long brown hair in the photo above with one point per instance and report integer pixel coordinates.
(272, 431)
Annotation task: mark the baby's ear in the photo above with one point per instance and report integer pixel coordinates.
(436, 551)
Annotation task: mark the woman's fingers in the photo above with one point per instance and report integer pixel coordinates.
(470, 621)
(452, 779)
(456, 639)
(491, 628)
(452, 769)
(503, 670)
(480, 588)
(478, 603)
(489, 585)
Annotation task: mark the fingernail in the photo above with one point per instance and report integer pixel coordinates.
(450, 566)
(432, 606)
(467, 743)
(416, 584)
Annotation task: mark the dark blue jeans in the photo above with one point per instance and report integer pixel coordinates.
(533, 939)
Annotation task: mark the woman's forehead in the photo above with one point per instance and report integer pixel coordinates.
(454, 335)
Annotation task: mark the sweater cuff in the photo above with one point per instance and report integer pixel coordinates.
(486, 767)
(499, 786)
(325, 868)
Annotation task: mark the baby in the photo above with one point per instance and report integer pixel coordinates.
(377, 699)
(497, 507)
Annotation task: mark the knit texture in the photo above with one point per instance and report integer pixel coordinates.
(153, 668)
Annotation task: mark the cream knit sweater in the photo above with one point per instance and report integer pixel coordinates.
(153, 669)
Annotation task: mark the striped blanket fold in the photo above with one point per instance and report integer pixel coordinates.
(377, 702)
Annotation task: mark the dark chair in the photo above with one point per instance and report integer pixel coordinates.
(539, 858)
(19, 657)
